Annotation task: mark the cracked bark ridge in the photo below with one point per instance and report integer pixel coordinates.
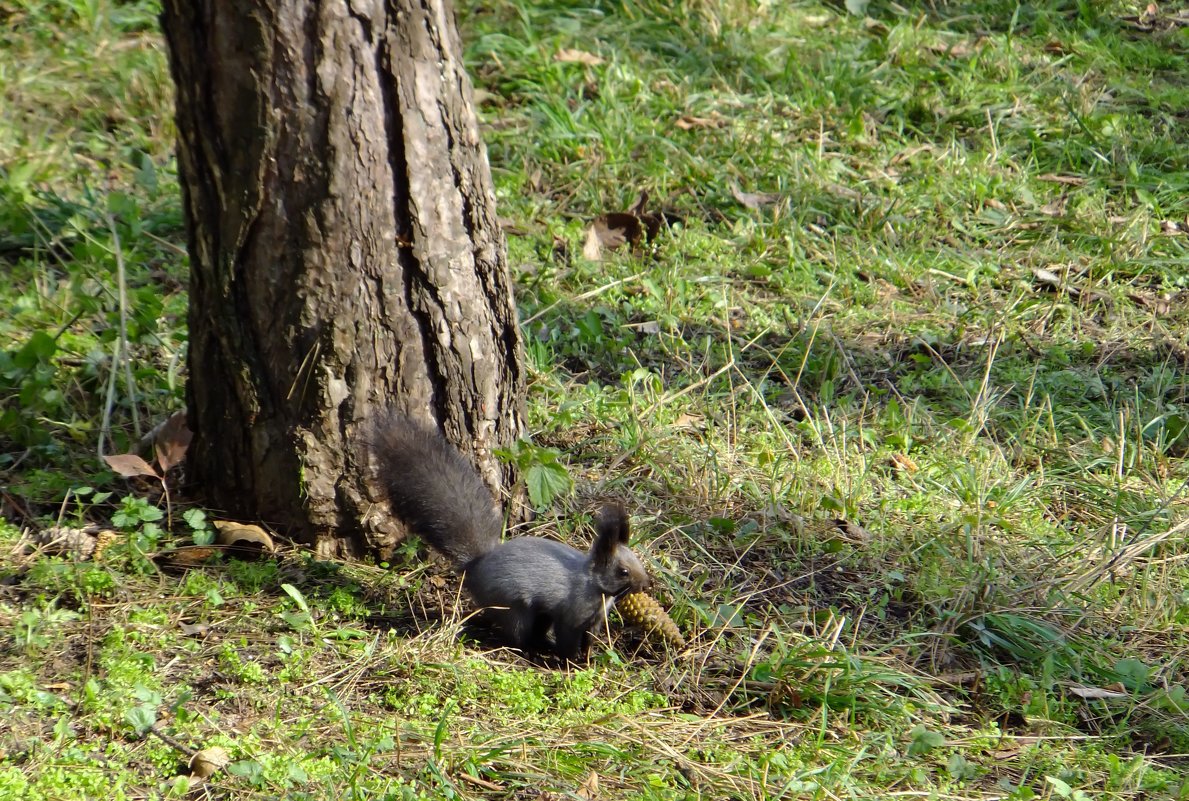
(345, 254)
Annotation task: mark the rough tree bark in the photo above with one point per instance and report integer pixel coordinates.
(345, 254)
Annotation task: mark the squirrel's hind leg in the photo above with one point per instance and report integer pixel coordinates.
(571, 643)
(518, 627)
(538, 639)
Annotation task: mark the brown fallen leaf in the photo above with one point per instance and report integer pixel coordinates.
(958, 49)
(194, 629)
(590, 788)
(1160, 305)
(852, 532)
(615, 229)
(1051, 280)
(875, 27)
(1004, 754)
(243, 537)
(130, 465)
(171, 441)
(843, 191)
(753, 200)
(1154, 19)
(1056, 208)
(904, 463)
(187, 557)
(206, 762)
(611, 232)
(688, 122)
(571, 56)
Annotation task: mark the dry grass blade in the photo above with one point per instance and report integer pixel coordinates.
(1122, 560)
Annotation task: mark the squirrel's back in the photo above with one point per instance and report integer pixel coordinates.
(528, 572)
(434, 489)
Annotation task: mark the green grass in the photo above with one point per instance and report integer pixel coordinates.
(958, 325)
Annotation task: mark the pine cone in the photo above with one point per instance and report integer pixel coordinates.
(78, 543)
(104, 540)
(87, 542)
(643, 610)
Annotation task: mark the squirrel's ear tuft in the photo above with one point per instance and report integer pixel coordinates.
(612, 521)
(611, 531)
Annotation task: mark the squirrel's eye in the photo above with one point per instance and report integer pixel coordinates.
(622, 572)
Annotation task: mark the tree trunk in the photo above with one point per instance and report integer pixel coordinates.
(344, 254)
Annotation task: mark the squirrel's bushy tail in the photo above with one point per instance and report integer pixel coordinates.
(433, 489)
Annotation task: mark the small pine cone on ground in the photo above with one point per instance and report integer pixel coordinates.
(77, 543)
(83, 543)
(643, 610)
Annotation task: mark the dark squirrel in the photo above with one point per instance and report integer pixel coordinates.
(528, 587)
